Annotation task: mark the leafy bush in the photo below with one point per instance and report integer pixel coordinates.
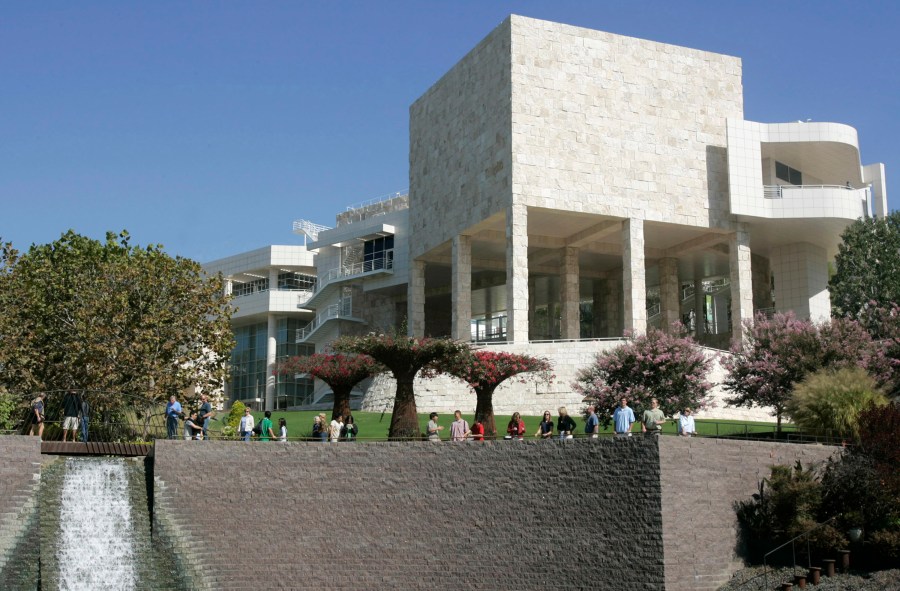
(234, 415)
(9, 411)
(670, 368)
(886, 545)
(831, 401)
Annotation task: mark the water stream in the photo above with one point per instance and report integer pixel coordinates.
(96, 546)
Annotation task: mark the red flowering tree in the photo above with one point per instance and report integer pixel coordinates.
(403, 356)
(779, 352)
(340, 372)
(485, 370)
(668, 367)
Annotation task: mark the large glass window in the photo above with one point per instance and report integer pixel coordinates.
(378, 254)
(290, 281)
(243, 288)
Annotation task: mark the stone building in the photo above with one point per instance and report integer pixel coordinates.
(569, 185)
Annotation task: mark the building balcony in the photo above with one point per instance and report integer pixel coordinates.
(334, 277)
(817, 201)
(266, 301)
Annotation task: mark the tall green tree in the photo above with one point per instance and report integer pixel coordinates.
(867, 266)
(404, 357)
(112, 317)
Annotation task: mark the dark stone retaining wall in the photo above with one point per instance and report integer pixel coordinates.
(497, 515)
(20, 469)
(701, 479)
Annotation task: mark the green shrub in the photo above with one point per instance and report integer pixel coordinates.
(234, 415)
(8, 411)
(886, 545)
(831, 401)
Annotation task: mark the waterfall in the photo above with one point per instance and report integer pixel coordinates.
(96, 545)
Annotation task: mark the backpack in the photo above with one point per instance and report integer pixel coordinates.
(257, 428)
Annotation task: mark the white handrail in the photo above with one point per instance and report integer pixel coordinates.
(342, 309)
(309, 228)
(385, 263)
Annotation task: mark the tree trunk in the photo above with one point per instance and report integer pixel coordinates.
(404, 420)
(484, 412)
(777, 423)
(341, 402)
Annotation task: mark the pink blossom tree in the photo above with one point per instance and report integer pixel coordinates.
(669, 367)
(484, 370)
(779, 352)
(341, 372)
(404, 357)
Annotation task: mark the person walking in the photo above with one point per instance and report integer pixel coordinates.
(71, 408)
(205, 414)
(173, 413)
(246, 426)
(266, 432)
(653, 419)
(85, 416)
(592, 425)
(37, 414)
(623, 418)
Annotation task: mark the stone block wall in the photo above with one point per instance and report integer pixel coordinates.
(701, 479)
(20, 472)
(494, 515)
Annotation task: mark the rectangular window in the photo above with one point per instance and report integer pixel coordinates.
(788, 174)
(378, 254)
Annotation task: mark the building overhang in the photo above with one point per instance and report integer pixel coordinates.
(348, 235)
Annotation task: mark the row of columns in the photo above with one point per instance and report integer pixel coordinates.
(633, 285)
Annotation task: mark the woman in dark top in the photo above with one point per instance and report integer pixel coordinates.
(566, 424)
(545, 430)
(349, 430)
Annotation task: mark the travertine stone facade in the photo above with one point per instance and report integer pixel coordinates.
(416, 303)
(461, 287)
(634, 278)
(741, 279)
(669, 293)
(517, 273)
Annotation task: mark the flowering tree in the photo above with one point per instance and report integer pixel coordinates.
(340, 372)
(781, 351)
(670, 368)
(403, 356)
(485, 370)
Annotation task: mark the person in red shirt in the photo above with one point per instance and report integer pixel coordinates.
(477, 431)
(516, 427)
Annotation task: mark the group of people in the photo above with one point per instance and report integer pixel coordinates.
(341, 428)
(76, 415)
(196, 422)
(264, 430)
(623, 419)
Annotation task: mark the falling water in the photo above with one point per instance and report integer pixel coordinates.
(96, 537)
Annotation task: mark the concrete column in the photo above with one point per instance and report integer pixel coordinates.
(569, 295)
(415, 300)
(613, 296)
(669, 294)
(699, 304)
(801, 280)
(517, 273)
(762, 282)
(271, 349)
(461, 288)
(634, 285)
(597, 300)
(273, 279)
(741, 280)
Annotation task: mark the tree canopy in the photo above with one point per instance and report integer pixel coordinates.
(668, 367)
(867, 266)
(484, 370)
(404, 356)
(340, 372)
(109, 316)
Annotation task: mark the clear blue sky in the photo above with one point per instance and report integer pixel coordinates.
(210, 126)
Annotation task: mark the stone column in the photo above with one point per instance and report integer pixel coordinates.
(613, 296)
(669, 294)
(273, 279)
(461, 288)
(517, 273)
(699, 304)
(271, 350)
(801, 280)
(597, 300)
(415, 300)
(570, 296)
(634, 286)
(741, 280)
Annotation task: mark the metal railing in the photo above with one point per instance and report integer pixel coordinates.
(777, 191)
(792, 542)
(343, 309)
(385, 264)
(308, 228)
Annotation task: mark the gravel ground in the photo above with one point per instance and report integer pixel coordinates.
(885, 580)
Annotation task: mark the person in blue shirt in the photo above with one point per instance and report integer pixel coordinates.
(173, 413)
(623, 418)
(592, 425)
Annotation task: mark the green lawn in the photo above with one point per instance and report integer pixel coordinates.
(374, 426)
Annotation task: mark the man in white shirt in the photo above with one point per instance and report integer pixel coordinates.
(686, 424)
(459, 428)
(336, 425)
